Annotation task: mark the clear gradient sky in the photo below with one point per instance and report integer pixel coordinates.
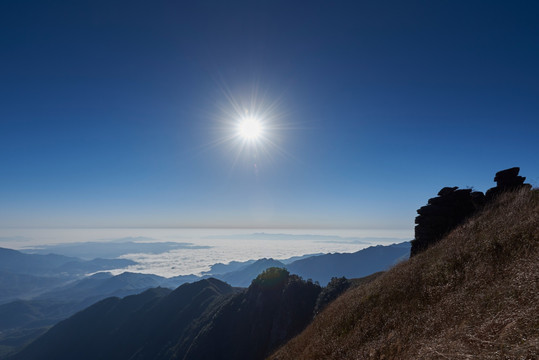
(113, 114)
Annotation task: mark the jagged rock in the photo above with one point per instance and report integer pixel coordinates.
(447, 190)
(478, 199)
(507, 175)
(442, 214)
(506, 180)
(453, 205)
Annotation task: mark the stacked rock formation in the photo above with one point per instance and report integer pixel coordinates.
(453, 205)
(443, 213)
(506, 180)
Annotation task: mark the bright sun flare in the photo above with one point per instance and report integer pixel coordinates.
(250, 129)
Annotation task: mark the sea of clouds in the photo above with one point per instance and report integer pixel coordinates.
(172, 252)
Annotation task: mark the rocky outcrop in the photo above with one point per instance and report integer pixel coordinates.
(453, 205)
(443, 213)
(506, 180)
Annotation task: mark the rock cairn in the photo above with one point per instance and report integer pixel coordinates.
(506, 180)
(453, 205)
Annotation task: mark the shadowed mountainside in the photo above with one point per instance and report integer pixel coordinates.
(116, 328)
(274, 308)
(474, 294)
(207, 319)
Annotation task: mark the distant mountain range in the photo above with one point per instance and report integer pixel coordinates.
(321, 268)
(351, 265)
(17, 262)
(55, 298)
(24, 276)
(112, 249)
(49, 307)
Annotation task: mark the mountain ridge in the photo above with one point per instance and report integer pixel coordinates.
(32, 316)
(473, 294)
(207, 319)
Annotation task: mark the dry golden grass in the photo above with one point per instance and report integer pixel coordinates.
(474, 295)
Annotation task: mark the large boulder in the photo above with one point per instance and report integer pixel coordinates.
(442, 214)
(506, 180)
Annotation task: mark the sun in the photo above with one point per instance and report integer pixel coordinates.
(250, 129)
(251, 126)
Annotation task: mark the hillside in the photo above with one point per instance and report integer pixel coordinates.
(474, 294)
(207, 319)
(116, 328)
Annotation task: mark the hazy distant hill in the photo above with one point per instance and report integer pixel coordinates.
(351, 265)
(37, 291)
(24, 276)
(15, 286)
(322, 268)
(220, 268)
(245, 275)
(112, 249)
(57, 304)
(16, 262)
(472, 295)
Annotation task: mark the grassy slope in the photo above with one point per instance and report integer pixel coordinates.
(473, 295)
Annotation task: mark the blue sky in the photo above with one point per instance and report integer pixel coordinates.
(110, 112)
